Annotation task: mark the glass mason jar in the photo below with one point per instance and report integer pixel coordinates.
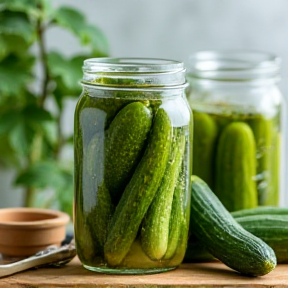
(132, 166)
(238, 131)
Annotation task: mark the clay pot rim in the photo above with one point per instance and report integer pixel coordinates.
(58, 218)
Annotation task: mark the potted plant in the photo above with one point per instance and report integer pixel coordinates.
(31, 133)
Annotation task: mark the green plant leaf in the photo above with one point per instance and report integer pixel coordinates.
(33, 113)
(97, 41)
(43, 175)
(15, 75)
(8, 158)
(20, 138)
(12, 44)
(71, 19)
(8, 120)
(27, 6)
(67, 74)
(89, 35)
(50, 133)
(17, 23)
(65, 193)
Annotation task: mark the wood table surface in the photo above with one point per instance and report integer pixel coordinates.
(212, 274)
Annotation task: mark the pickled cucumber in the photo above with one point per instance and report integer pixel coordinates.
(178, 221)
(124, 143)
(155, 227)
(100, 216)
(262, 130)
(140, 191)
(204, 141)
(236, 167)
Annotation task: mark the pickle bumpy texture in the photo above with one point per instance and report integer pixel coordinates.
(178, 224)
(140, 191)
(236, 167)
(124, 143)
(204, 141)
(155, 228)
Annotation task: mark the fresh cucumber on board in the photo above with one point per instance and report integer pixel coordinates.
(223, 237)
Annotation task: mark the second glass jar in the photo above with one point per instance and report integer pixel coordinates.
(132, 166)
(238, 133)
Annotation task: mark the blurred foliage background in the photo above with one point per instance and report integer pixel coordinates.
(31, 78)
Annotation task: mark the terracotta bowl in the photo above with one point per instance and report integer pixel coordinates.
(25, 231)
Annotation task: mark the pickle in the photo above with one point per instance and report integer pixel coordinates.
(262, 130)
(124, 143)
(90, 177)
(140, 191)
(155, 228)
(273, 197)
(177, 222)
(236, 167)
(100, 215)
(204, 140)
(107, 105)
(96, 192)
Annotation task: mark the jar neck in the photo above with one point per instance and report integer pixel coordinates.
(234, 68)
(133, 72)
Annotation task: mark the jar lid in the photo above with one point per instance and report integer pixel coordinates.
(234, 65)
(133, 72)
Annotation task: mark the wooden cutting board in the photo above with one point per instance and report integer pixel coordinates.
(187, 275)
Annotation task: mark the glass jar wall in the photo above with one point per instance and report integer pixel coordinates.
(132, 166)
(238, 133)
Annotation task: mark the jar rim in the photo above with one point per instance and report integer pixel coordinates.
(234, 65)
(133, 72)
(132, 65)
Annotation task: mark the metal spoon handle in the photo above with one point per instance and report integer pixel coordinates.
(52, 256)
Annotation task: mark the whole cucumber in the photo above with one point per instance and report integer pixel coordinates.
(155, 227)
(260, 210)
(236, 167)
(140, 191)
(223, 237)
(124, 143)
(268, 223)
(272, 229)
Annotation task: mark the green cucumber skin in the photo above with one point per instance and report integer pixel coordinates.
(273, 197)
(155, 227)
(262, 130)
(236, 167)
(108, 105)
(102, 209)
(224, 238)
(124, 143)
(140, 191)
(272, 229)
(260, 210)
(204, 143)
(100, 216)
(268, 223)
(179, 230)
(178, 221)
